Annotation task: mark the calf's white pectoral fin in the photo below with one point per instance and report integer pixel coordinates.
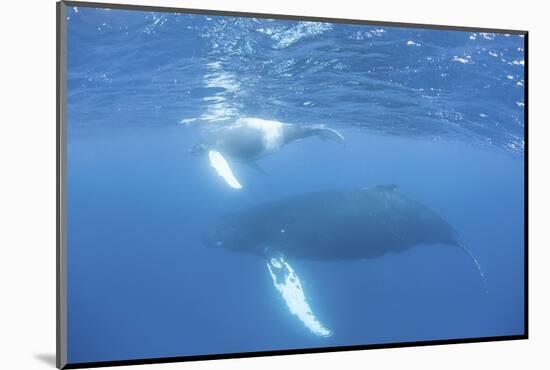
(288, 285)
(218, 162)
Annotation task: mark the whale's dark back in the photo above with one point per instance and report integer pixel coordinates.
(333, 225)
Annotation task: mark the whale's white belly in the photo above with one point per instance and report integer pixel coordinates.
(272, 132)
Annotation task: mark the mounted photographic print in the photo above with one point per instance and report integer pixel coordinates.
(236, 185)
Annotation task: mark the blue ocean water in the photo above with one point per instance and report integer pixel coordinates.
(438, 113)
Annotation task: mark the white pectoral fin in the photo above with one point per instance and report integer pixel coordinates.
(288, 285)
(222, 168)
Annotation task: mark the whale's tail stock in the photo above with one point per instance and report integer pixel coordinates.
(327, 133)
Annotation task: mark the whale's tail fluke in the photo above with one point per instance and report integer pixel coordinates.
(476, 263)
(327, 133)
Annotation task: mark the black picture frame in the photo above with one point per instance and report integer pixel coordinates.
(61, 247)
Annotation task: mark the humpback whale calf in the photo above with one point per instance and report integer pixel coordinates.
(249, 139)
(328, 226)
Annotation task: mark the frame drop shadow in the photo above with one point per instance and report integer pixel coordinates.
(46, 358)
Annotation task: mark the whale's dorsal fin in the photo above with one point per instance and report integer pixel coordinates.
(218, 162)
(287, 283)
(388, 187)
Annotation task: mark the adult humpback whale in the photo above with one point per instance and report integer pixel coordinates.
(249, 139)
(327, 226)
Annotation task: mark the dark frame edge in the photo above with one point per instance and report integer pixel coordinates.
(61, 245)
(165, 9)
(149, 361)
(526, 185)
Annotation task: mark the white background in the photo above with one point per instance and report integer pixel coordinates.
(27, 182)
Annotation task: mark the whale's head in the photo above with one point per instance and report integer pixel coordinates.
(222, 234)
(234, 233)
(198, 149)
